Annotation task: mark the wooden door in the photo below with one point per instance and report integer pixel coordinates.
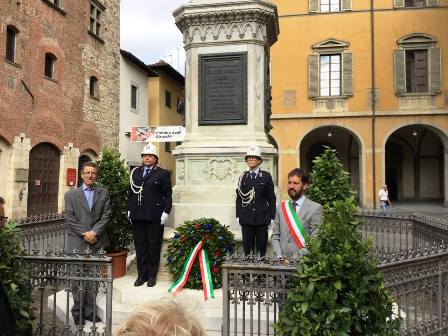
(43, 179)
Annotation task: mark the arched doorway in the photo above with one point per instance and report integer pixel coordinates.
(415, 167)
(43, 179)
(4, 169)
(347, 145)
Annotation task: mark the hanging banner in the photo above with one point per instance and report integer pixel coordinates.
(157, 133)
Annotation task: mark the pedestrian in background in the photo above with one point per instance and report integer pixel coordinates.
(255, 203)
(149, 203)
(384, 200)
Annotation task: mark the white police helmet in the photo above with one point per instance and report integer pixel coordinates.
(150, 149)
(253, 150)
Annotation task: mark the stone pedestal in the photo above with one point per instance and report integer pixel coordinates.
(227, 103)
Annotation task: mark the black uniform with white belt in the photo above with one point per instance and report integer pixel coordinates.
(145, 215)
(257, 215)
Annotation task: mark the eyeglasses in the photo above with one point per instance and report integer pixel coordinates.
(89, 173)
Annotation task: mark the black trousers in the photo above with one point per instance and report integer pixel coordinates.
(255, 234)
(148, 238)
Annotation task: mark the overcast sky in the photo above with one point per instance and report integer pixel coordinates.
(148, 31)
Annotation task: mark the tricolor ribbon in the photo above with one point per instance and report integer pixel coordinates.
(296, 229)
(206, 274)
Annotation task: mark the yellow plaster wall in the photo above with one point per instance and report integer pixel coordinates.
(299, 30)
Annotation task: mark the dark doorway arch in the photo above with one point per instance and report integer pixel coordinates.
(43, 179)
(415, 167)
(347, 145)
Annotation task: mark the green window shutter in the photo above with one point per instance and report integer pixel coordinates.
(398, 3)
(432, 2)
(313, 6)
(347, 74)
(313, 76)
(435, 78)
(399, 71)
(346, 5)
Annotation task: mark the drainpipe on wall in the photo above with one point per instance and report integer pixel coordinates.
(373, 96)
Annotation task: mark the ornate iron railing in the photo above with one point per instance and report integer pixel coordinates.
(56, 277)
(419, 284)
(253, 293)
(392, 234)
(44, 232)
(412, 254)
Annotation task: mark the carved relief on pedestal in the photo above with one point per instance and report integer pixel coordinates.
(222, 32)
(259, 65)
(180, 172)
(221, 170)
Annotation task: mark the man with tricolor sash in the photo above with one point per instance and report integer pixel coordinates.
(296, 219)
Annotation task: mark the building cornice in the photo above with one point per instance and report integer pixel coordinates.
(360, 114)
(244, 20)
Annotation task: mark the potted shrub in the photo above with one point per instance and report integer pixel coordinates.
(115, 177)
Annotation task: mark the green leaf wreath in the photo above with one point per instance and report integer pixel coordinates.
(217, 240)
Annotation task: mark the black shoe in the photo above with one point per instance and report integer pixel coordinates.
(139, 282)
(151, 283)
(90, 318)
(76, 320)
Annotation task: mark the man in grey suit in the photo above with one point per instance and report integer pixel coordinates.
(308, 212)
(87, 211)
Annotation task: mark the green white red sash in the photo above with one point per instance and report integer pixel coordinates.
(296, 229)
(206, 275)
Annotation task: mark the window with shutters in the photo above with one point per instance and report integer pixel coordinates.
(330, 75)
(415, 3)
(11, 36)
(330, 70)
(416, 70)
(417, 65)
(329, 6)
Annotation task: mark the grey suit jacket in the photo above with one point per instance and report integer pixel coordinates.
(80, 218)
(310, 216)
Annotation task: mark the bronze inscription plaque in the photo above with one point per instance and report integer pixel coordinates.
(223, 89)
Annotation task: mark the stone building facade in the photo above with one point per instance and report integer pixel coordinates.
(59, 96)
(370, 82)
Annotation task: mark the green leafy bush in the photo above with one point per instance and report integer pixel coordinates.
(114, 176)
(329, 181)
(217, 240)
(14, 277)
(337, 289)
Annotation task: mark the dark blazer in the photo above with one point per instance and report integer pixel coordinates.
(156, 195)
(262, 209)
(80, 218)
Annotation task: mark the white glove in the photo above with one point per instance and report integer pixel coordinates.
(163, 218)
(237, 221)
(271, 224)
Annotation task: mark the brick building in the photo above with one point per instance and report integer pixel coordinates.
(59, 96)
